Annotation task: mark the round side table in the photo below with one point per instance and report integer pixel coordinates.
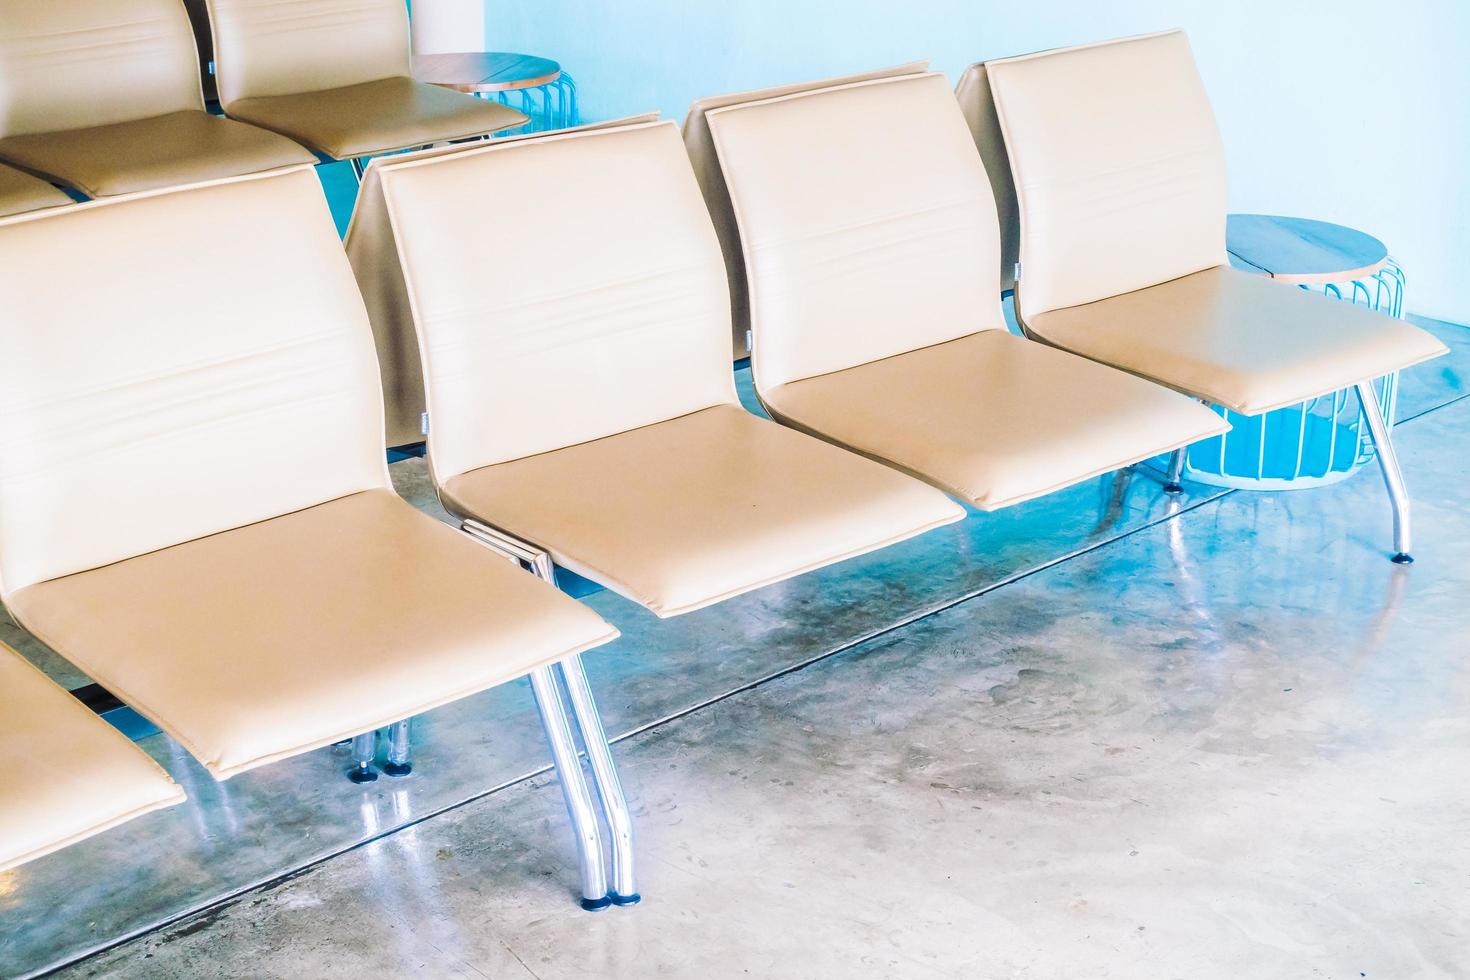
(536, 86)
(1322, 440)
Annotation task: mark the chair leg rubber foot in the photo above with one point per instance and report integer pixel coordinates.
(1173, 488)
(595, 904)
(632, 899)
(362, 775)
(1402, 558)
(397, 768)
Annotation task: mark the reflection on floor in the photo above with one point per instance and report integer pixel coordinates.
(1136, 738)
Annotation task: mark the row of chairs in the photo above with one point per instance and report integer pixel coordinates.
(105, 96)
(583, 414)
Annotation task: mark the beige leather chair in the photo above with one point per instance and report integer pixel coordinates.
(587, 406)
(68, 773)
(876, 309)
(194, 503)
(104, 95)
(336, 77)
(1120, 175)
(973, 93)
(701, 149)
(374, 257)
(21, 192)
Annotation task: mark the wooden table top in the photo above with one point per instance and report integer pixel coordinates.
(1301, 250)
(485, 71)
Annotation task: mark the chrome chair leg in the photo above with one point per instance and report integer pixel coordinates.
(1176, 471)
(1393, 477)
(400, 750)
(364, 747)
(573, 787)
(358, 166)
(605, 774)
(609, 790)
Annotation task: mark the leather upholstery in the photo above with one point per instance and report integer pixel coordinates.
(1119, 168)
(648, 512)
(81, 63)
(993, 418)
(376, 117)
(973, 93)
(68, 774)
(625, 328)
(374, 257)
(264, 48)
(182, 147)
(1121, 182)
(698, 142)
(877, 312)
(203, 333)
(1239, 340)
(270, 640)
(104, 95)
(335, 76)
(194, 503)
(21, 192)
(588, 404)
(825, 263)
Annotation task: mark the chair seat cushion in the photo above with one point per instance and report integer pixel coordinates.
(68, 773)
(681, 514)
(1238, 339)
(161, 151)
(273, 639)
(993, 418)
(376, 117)
(21, 192)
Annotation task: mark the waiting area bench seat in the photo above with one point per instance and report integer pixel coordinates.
(68, 773)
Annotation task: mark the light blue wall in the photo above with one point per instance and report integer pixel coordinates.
(1350, 111)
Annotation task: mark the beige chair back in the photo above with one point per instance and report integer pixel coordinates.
(70, 64)
(542, 327)
(374, 257)
(177, 364)
(973, 93)
(861, 240)
(706, 163)
(1118, 166)
(266, 47)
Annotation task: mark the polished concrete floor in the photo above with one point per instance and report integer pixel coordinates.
(1104, 735)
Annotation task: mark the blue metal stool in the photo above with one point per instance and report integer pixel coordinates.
(536, 86)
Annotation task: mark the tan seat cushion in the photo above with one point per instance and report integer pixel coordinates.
(376, 117)
(21, 192)
(684, 513)
(993, 418)
(178, 148)
(68, 774)
(1237, 339)
(263, 642)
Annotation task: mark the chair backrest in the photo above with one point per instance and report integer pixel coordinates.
(178, 364)
(706, 163)
(1118, 167)
(267, 47)
(973, 93)
(374, 257)
(68, 64)
(544, 327)
(866, 222)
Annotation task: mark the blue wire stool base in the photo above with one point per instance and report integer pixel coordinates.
(550, 106)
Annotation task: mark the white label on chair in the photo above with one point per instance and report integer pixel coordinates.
(1017, 276)
(749, 340)
(424, 424)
